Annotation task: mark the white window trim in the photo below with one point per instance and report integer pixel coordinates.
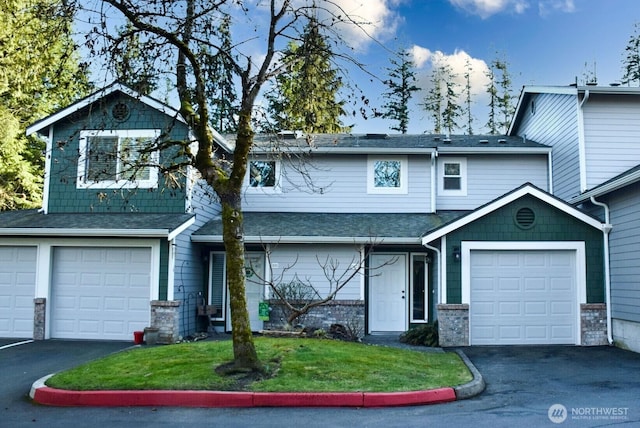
(82, 183)
(404, 175)
(463, 176)
(274, 189)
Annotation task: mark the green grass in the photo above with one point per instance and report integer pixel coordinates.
(296, 365)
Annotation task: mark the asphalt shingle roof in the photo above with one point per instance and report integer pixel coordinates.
(33, 221)
(336, 225)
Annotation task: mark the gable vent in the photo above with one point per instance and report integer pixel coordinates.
(525, 218)
(120, 112)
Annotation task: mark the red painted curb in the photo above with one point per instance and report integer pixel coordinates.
(409, 398)
(58, 397)
(308, 399)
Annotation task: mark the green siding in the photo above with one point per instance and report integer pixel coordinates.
(64, 197)
(551, 224)
(163, 277)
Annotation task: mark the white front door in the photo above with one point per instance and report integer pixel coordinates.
(387, 293)
(253, 289)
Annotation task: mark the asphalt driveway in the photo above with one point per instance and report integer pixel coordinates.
(523, 383)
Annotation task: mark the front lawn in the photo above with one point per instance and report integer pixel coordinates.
(293, 365)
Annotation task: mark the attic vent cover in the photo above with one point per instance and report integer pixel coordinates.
(120, 112)
(525, 218)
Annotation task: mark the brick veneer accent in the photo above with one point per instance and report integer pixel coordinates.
(165, 317)
(453, 324)
(593, 324)
(39, 317)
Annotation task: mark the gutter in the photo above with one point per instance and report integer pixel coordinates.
(606, 229)
(410, 240)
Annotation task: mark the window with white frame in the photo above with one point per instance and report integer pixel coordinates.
(453, 176)
(387, 174)
(118, 159)
(264, 175)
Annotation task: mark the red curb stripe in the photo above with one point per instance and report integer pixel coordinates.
(307, 399)
(58, 397)
(409, 398)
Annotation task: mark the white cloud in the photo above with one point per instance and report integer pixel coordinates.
(545, 7)
(487, 8)
(375, 19)
(420, 55)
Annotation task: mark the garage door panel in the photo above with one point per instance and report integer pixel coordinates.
(100, 292)
(524, 297)
(17, 290)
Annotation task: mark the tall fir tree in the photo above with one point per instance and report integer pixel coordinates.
(441, 101)
(492, 91)
(220, 84)
(132, 67)
(434, 100)
(468, 99)
(40, 72)
(401, 85)
(631, 61)
(304, 96)
(452, 109)
(501, 105)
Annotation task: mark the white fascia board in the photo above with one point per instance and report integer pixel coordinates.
(348, 150)
(606, 188)
(46, 122)
(178, 230)
(494, 150)
(487, 209)
(79, 233)
(313, 239)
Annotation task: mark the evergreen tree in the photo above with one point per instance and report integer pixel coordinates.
(132, 67)
(39, 73)
(434, 100)
(442, 99)
(501, 106)
(631, 61)
(492, 90)
(400, 88)
(467, 97)
(220, 83)
(304, 95)
(452, 110)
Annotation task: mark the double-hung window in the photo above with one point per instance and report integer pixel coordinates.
(387, 175)
(453, 176)
(120, 159)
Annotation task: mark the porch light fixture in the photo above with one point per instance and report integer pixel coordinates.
(456, 254)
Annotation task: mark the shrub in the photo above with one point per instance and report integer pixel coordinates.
(423, 335)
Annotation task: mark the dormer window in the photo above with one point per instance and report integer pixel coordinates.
(117, 159)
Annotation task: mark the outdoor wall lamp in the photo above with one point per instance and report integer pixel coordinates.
(456, 254)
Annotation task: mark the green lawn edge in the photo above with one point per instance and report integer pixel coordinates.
(292, 364)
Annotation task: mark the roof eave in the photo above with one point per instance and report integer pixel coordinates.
(607, 188)
(313, 239)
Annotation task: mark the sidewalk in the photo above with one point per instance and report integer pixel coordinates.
(43, 394)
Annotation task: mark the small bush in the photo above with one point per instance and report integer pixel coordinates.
(423, 335)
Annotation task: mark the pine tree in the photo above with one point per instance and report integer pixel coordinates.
(400, 88)
(304, 95)
(40, 72)
(452, 110)
(434, 100)
(631, 61)
(442, 99)
(220, 85)
(467, 97)
(492, 90)
(501, 106)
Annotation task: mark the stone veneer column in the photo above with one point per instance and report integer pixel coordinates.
(453, 325)
(165, 317)
(39, 317)
(593, 324)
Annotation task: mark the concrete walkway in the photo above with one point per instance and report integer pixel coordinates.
(43, 394)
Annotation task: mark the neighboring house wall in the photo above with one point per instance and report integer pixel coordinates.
(551, 119)
(338, 183)
(189, 265)
(66, 197)
(625, 266)
(490, 176)
(612, 136)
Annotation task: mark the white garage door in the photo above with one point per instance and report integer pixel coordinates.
(523, 297)
(17, 290)
(100, 293)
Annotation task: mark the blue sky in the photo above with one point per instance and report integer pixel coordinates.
(546, 42)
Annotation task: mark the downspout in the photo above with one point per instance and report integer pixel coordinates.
(434, 185)
(439, 276)
(606, 229)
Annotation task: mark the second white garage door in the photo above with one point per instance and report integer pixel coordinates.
(17, 290)
(99, 292)
(523, 297)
